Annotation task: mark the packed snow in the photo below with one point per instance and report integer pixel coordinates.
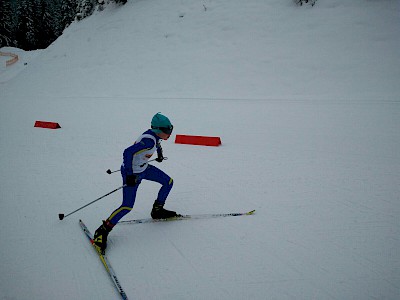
(306, 101)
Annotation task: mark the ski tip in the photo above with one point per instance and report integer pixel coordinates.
(251, 212)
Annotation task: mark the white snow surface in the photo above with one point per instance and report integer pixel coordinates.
(307, 104)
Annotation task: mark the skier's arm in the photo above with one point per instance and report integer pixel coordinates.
(160, 156)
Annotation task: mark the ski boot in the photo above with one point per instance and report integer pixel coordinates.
(100, 236)
(159, 212)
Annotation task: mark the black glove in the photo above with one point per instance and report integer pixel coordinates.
(160, 156)
(131, 180)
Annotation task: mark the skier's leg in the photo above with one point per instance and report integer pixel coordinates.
(152, 173)
(101, 234)
(129, 196)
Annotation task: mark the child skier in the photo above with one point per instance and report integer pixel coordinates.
(134, 169)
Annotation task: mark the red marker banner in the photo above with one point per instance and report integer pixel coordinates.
(198, 140)
(48, 125)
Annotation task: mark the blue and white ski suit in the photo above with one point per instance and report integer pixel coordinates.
(135, 161)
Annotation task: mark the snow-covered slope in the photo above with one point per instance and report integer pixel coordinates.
(306, 102)
(229, 49)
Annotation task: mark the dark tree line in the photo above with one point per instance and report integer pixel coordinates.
(301, 2)
(35, 24)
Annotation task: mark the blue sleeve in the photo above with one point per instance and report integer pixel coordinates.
(129, 152)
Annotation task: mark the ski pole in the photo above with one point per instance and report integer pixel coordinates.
(62, 216)
(164, 158)
(110, 172)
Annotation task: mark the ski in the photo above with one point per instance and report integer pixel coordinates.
(186, 217)
(106, 263)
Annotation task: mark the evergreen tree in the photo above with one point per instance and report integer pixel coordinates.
(38, 23)
(35, 24)
(7, 27)
(301, 2)
(55, 17)
(85, 8)
(68, 12)
(26, 31)
(45, 25)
